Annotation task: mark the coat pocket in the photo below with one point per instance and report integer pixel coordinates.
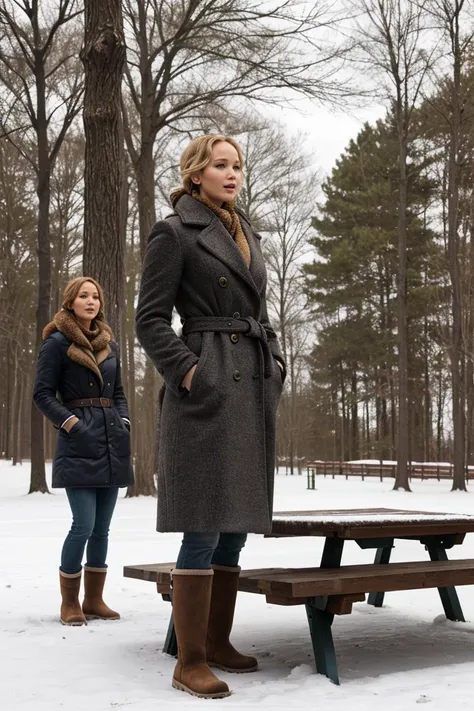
(122, 439)
(198, 388)
(81, 442)
(207, 386)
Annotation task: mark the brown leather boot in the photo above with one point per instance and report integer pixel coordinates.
(71, 613)
(219, 651)
(191, 601)
(93, 607)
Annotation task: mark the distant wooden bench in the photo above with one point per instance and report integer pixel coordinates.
(326, 592)
(379, 470)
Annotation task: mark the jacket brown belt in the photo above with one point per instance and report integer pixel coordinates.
(90, 402)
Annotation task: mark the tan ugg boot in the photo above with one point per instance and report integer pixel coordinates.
(93, 607)
(191, 601)
(71, 613)
(219, 651)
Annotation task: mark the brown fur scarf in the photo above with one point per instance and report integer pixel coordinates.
(88, 347)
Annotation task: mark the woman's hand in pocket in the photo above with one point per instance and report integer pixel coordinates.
(70, 424)
(188, 378)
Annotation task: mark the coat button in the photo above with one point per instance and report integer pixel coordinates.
(222, 282)
(234, 337)
(236, 314)
(237, 375)
(91, 384)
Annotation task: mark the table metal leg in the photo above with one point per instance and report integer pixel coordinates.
(382, 557)
(323, 644)
(171, 645)
(320, 621)
(332, 553)
(449, 596)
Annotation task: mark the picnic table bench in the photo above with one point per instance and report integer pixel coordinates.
(331, 589)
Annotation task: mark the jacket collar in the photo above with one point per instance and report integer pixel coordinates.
(193, 212)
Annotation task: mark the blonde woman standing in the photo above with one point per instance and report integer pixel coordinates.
(222, 382)
(78, 387)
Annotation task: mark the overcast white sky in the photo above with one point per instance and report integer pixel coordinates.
(329, 131)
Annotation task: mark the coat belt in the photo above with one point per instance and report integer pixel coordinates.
(89, 402)
(248, 326)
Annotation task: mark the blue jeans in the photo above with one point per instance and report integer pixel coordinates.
(92, 511)
(199, 551)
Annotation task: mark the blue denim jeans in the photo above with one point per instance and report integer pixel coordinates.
(92, 511)
(199, 551)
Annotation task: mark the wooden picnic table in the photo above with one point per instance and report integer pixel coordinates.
(330, 588)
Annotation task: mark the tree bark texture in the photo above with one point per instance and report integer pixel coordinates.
(103, 57)
(401, 480)
(43, 190)
(457, 365)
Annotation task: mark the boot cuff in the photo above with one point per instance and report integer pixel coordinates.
(91, 569)
(227, 568)
(70, 575)
(190, 571)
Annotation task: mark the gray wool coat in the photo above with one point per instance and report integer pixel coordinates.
(216, 455)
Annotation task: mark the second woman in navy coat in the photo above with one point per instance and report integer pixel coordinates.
(78, 387)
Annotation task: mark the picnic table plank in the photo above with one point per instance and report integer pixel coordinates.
(349, 579)
(352, 524)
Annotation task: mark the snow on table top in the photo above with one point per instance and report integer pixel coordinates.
(332, 521)
(368, 516)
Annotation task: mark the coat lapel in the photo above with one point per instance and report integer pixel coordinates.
(218, 241)
(215, 238)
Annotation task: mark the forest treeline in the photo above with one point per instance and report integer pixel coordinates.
(371, 270)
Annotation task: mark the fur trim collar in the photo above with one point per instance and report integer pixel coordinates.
(88, 347)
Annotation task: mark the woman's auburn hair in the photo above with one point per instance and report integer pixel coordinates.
(197, 155)
(72, 289)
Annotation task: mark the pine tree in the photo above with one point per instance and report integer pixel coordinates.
(352, 287)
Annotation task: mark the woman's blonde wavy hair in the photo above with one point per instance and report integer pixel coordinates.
(196, 156)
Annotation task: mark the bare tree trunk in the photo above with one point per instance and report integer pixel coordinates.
(393, 416)
(457, 357)
(145, 463)
(103, 57)
(293, 405)
(17, 439)
(354, 415)
(439, 417)
(343, 413)
(401, 480)
(470, 344)
(367, 437)
(130, 355)
(38, 472)
(146, 451)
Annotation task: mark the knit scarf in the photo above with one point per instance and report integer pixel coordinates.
(231, 221)
(89, 347)
(229, 218)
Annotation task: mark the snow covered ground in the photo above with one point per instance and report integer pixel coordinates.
(397, 657)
